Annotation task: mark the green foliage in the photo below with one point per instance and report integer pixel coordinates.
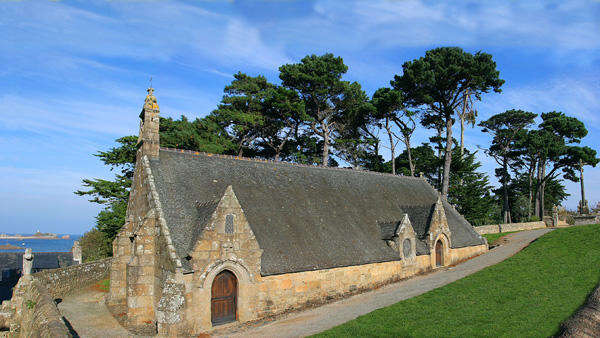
(112, 194)
(493, 239)
(284, 114)
(104, 285)
(95, 245)
(120, 158)
(30, 304)
(318, 81)
(241, 110)
(439, 80)
(200, 135)
(470, 190)
(554, 193)
(353, 139)
(556, 273)
(508, 130)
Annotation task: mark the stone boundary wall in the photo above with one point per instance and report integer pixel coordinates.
(586, 219)
(34, 313)
(61, 282)
(586, 321)
(497, 228)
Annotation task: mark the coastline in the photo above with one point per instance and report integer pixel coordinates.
(31, 237)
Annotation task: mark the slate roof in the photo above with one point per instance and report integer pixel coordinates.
(304, 218)
(41, 260)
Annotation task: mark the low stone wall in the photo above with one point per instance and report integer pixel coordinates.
(34, 313)
(586, 321)
(508, 227)
(61, 282)
(586, 219)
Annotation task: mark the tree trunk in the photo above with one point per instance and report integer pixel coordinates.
(462, 122)
(542, 189)
(584, 207)
(439, 169)
(325, 144)
(530, 202)
(277, 156)
(408, 152)
(505, 206)
(462, 134)
(447, 157)
(392, 145)
(537, 189)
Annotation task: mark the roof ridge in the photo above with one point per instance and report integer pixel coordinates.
(249, 159)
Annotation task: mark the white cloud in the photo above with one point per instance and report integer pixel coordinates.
(573, 97)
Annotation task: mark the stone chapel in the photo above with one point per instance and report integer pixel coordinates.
(211, 240)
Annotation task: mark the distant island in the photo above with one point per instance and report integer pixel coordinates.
(9, 247)
(37, 235)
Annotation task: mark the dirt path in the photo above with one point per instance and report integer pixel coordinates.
(88, 316)
(325, 317)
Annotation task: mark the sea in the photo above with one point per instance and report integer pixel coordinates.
(42, 245)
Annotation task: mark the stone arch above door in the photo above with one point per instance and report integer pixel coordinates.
(433, 253)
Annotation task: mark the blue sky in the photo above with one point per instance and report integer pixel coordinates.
(74, 74)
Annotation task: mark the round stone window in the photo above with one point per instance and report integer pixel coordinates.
(407, 247)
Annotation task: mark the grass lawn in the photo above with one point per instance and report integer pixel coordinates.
(527, 295)
(492, 238)
(103, 285)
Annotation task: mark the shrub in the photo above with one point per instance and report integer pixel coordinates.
(95, 245)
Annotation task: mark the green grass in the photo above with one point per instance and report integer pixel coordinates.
(492, 238)
(104, 285)
(527, 295)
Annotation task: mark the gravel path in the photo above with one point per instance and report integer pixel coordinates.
(87, 315)
(325, 317)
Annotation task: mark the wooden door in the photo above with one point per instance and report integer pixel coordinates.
(439, 251)
(223, 305)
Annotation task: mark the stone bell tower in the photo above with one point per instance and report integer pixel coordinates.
(149, 140)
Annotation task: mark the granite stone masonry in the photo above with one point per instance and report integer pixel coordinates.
(33, 312)
(213, 239)
(498, 228)
(63, 281)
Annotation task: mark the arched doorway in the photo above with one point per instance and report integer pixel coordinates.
(223, 305)
(439, 253)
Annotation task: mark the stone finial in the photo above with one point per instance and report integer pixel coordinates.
(27, 262)
(150, 101)
(76, 251)
(149, 126)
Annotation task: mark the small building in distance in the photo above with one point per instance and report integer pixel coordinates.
(213, 239)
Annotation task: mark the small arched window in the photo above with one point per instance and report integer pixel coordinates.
(229, 224)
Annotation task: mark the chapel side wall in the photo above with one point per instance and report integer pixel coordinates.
(270, 296)
(281, 293)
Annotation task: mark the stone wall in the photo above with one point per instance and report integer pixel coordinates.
(586, 219)
(33, 311)
(497, 228)
(269, 296)
(586, 321)
(61, 282)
